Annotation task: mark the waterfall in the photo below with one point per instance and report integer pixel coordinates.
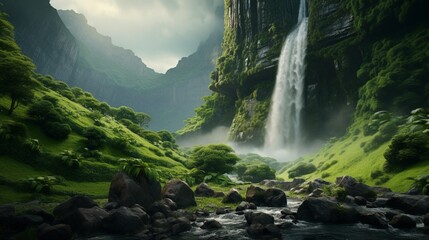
(283, 129)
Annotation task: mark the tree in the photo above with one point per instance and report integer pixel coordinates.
(215, 158)
(16, 69)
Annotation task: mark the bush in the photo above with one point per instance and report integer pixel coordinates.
(376, 174)
(301, 169)
(216, 158)
(257, 173)
(57, 131)
(325, 175)
(152, 137)
(10, 130)
(96, 138)
(407, 149)
(40, 110)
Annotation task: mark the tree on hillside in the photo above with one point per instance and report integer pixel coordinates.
(16, 69)
(215, 158)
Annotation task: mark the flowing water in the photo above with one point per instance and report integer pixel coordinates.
(284, 120)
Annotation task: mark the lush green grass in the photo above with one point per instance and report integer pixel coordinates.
(353, 161)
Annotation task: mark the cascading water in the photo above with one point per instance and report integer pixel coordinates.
(283, 125)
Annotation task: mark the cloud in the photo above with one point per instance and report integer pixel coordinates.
(159, 31)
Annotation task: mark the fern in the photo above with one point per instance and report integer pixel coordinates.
(135, 167)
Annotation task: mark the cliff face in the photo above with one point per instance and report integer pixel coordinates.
(65, 46)
(357, 63)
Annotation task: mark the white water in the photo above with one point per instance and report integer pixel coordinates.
(283, 129)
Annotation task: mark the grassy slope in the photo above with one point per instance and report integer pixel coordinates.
(353, 161)
(12, 171)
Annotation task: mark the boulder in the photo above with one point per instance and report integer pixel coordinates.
(219, 194)
(85, 220)
(259, 231)
(275, 197)
(163, 206)
(403, 221)
(141, 214)
(378, 203)
(255, 195)
(359, 200)
(381, 190)
(317, 183)
(233, 196)
(21, 222)
(413, 204)
(180, 193)
(211, 225)
(245, 205)
(326, 211)
(180, 225)
(286, 186)
(223, 210)
(355, 188)
(127, 192)
(71, 205)
(375, 219)
(47, 217)
(316, 193)
(426, 220)
(258, 217)
(122, 221)
(57, 232)
(6, 213)
(203, 190)
(184, 213)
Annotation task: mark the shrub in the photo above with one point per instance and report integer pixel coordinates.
(407, 149)
(257, 173)
(40, 110)
(10, 130)
(215, 158)
(41, 184)
(96, 138)
(152, 137)
(301, 169)
(70, 158)
(376, 174)
(58, 131)
(421, 183)
(325, 175)
(136, 167)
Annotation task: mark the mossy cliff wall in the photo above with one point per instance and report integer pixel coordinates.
(362, 56)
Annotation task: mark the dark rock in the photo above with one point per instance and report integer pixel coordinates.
(180, 193)
(211, 225)
(232, 197)
(85, 220)
(390, 213)
(180, 225)
(141, 214)
(128, 192)
(252, 206)
(255, 195)
(157, 215)
(258, 217)
(57, 232)
(426, 220)
(316, 193)
(223, 210)
(414, 204)
(160, 206)
(378, 203)
(381, 190)
(219, 194)
(326, 211)
(204, 190)
(170, 203)
(71, 205)
(6, 213)
(184, 213)
(414, 191)
(275, 197)
(317, 183)
(111, 205)
(359, 200)
(286, 186)
(47, 217)
(202, 213)
(287, 212)
(402, 221)
(355, 188)
(269, 231)
(22, 222)
(349, 199)
(375, 219)
(255, 230)
(245, 205)
(161, 224)
(286, 225)
(272, 230)
(122, 221)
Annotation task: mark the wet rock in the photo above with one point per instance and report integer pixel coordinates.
(202, 213)
(316, 193)
(275, 197)
(211, 225)
(6, 213)
(355, 188)
(286, 186)
(71, 205)
(255, 230)
(180, 193)
(402, 221)
(47, 217)
(378, 203)
(381, 190)
(255, 195)
(57, 232)
(414, 204)
(127, 192)
(122, 221)
(111, 205)
(272, 230)
(233, 196)
(223, 210)
(245, 205)
(349, 199)
(163, 206)
(426, 220)
(157, 215)
(287, 212)
(375, 219)
(326, 211)
(258, 217)
(141, 214)
(269, 231)
(86, 220)
(203, 190)
(184, 213)
(359, 200)
(21, 222)
(414, 191)
(180, 225)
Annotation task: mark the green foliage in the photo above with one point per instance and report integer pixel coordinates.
(334, 191)
(136, 168)
(123, 112)
(253, 158)
(41, 184)
(376, 174)
(71, 158)
(152, 137)
(96, 138)
(407, 149)
(301, 169)
(328, 165)
(12, 131)
(257, 173)
(56, 130)
(215, 158)
(421, 183)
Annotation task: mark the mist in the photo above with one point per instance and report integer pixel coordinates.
(217, 135)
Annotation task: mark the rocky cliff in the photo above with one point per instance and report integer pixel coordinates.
(65, 46)
(356, 64)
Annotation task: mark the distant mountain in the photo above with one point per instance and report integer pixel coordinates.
(63, 45)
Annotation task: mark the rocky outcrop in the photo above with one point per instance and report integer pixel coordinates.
(355, 188)
(204, 190)
(272, 197)
(414, 204)
(180, 193)
(233, 196)
(326, 211)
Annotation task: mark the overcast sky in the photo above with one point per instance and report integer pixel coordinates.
(160, 32)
